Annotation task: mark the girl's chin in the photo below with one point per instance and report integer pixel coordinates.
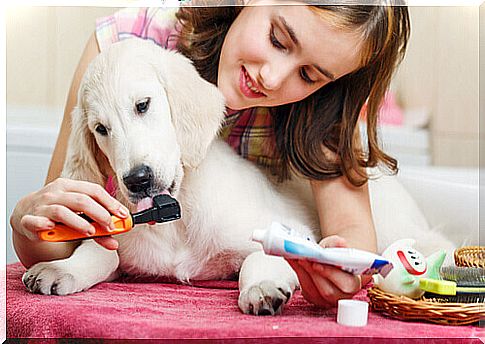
(237, 104)
(236, 101)
(236, 107)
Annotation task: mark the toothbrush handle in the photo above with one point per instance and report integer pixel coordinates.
(62, 232)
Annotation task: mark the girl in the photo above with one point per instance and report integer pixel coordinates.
(295, 76)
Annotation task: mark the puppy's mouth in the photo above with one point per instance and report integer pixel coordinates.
(152, 191)
(147, 202)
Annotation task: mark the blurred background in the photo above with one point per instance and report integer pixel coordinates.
(430, 120)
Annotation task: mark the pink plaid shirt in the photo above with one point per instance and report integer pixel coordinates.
(249, 132)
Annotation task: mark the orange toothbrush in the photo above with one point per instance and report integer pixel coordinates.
(165, 208)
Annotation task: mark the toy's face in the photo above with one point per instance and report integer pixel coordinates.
(409, 266)
(412, 261)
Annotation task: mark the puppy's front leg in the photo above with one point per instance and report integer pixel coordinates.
(88, 265)
(266, 284)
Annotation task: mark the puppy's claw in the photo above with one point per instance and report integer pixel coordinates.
(37, 285)
(266, 311)
(27, 280)
(50, 278)
(54, 289)
(264, 298)
(287, 293)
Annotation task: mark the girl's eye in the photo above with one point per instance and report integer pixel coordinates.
(277, 44)
(101, 130)
(274, 41)
(142, 105)
(305, 77)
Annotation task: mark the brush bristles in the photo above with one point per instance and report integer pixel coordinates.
(458, 298)
(463, 276)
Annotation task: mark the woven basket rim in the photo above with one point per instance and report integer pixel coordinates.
(470, 256)
(405, 308)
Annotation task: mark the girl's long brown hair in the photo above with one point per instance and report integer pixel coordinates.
(317, 137)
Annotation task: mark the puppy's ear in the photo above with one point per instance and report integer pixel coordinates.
(197, 106)
(83, 155)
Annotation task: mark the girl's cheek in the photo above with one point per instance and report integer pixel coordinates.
(297, 93)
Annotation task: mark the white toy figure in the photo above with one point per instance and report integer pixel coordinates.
(409, 267)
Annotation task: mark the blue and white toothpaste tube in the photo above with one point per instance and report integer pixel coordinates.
(280, 240)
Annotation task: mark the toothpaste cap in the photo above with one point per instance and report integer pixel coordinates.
(258, 235)
(352, 312)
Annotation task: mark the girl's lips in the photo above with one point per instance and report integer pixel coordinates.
(243, 85)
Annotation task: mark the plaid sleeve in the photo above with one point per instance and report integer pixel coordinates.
(155, 24)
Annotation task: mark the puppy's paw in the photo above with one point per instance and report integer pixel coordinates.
(51, 278)
(265, 298)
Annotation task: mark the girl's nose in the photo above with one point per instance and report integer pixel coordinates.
(272, 75)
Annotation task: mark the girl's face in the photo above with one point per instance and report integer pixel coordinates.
(274, 55)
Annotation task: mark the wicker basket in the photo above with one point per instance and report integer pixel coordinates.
(404, 308)
(471, 256)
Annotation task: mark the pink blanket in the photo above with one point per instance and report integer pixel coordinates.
(154, 310)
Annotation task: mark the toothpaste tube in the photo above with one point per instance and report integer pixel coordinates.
(280, 240)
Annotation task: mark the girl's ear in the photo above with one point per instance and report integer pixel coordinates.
(197, 107)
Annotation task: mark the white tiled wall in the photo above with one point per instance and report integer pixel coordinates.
(441, 72)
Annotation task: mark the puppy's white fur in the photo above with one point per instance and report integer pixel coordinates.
(223, 197)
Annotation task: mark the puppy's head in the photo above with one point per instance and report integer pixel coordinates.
(143, 114)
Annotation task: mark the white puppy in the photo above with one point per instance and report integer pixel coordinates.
(144, 112)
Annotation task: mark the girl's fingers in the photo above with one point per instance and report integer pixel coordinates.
(328, 293)
(333, 241)
(346, 283)
(34, 224)
(324, 285)
(95, 191)
(83, 203)
(306, 283)
(308, 288)
(59, 213)
(107, 242)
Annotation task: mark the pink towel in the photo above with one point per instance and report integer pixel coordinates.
(154, 310)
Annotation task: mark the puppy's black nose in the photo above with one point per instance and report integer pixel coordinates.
(139, 179)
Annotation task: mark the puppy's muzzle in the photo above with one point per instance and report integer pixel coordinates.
(139, 179)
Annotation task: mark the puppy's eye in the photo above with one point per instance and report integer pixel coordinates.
(142, 105)
(101, 130)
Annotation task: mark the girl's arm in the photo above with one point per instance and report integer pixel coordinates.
(39, 210)
(344, 210)
(59, 155)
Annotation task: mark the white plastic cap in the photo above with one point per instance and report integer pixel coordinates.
(352, 312)
(258, 235)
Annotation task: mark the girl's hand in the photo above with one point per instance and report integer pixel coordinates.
(59, 201)
(321, 284)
